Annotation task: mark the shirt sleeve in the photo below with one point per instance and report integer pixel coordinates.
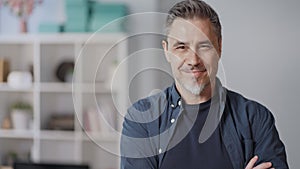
(136, 148)
(267, 143)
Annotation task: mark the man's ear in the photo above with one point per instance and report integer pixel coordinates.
(164, 44)
(220, 47)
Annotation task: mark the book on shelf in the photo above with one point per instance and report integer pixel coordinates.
(4, 70)
(61, 122)
(96, 121)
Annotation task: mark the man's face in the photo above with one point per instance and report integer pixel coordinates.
(193, 51)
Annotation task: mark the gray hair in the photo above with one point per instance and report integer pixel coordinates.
(190, 9)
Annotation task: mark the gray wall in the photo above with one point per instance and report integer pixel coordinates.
(261, 59)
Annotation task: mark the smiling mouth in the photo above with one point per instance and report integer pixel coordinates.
(196, 72)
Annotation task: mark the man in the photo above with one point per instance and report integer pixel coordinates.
(197, 123)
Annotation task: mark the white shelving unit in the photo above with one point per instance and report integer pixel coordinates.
(95, 59)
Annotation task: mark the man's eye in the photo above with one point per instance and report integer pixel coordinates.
(180, 47)
(205, 47)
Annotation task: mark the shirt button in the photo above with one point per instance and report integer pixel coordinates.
(172, 105)
(172, 120)
(159, 150)
(179, 102)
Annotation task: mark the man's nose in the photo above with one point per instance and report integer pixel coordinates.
(193, 58)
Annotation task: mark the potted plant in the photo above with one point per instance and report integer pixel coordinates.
(21, 114)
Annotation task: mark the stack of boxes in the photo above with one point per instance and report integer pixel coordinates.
(104, 13)
(48, 27)
(77, 15)
(89, 16)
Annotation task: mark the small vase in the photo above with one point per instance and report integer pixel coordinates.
(20, 119)
(23, 26)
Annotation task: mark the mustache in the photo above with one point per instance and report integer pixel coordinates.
(193, 68)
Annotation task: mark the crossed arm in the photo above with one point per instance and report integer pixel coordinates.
(265, 165)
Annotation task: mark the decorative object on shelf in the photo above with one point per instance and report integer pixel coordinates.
(91, 121)
(101, 119)
(64, 71)
(9, 158)
(4, 69)
(61, 122)
(20, 79)
(22, 9)
(111, 72)
(21, 113)
(6, 123)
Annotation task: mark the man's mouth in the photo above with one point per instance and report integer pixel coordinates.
(196, 72)
(203, 69)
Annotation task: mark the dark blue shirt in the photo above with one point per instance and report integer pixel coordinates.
(190, 154)
(156, 124)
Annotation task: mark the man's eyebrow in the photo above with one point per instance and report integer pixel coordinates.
(204, 42)
(179, 43)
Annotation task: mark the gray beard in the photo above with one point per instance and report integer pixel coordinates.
(195, 90)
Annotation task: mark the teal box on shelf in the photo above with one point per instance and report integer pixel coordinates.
(76, 2)
(115, 27)
(76, 20)
(49, 28)
(69, 26)
(107, 22)
(74, 29)
(104, 13)
(77, 13)
(105, 8)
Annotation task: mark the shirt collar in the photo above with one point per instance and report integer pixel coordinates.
(175, 96)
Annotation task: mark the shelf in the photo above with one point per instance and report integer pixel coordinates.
(56, 87)
(57, 135)
(4, 87)
(61, 38)
(95, 88)
(42, 54)
(16, 134)
(103, 137)
(59, 87)
(71, 136)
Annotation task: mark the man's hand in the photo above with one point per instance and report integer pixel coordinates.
(264, 165)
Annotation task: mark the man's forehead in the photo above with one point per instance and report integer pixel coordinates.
(186, 29)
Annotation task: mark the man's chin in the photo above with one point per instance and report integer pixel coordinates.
(195, 89)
